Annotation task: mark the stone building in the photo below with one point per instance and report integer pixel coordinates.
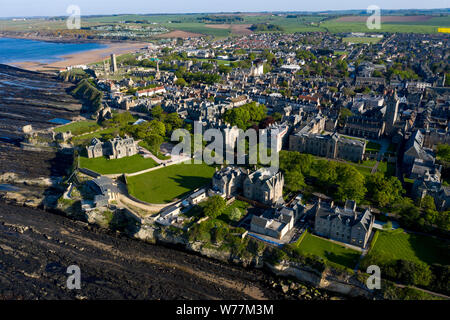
(365, 127)
(391, 113)
(429, 184)
(274, 224)
(113, 149)
(228, 181)
(343, 224)
(265, 186)
(333, 146)
(415, 151)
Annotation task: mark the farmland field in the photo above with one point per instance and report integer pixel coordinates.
(360, 40)
(192, 25)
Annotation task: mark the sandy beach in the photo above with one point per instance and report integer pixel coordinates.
(85, 57)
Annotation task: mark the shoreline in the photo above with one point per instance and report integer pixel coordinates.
(79, 58)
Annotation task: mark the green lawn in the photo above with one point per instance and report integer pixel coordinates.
(364, 171)
(169, 183)
(86, 139)
(373, 146)
(400, 245)
(328, 250)
(78, 127)
(125, 165)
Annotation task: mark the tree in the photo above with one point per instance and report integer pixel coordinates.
(157, 127)
(387, 226)
(443, 152)
(174, 120)
(154, 141)
(383, 191)
(407, 210)
(345, 113)
(214, 206)
(181, 82)
(413, 273)
(235, 214)
(295, 166)
(350, 183)
(157, 112)
(243, 116)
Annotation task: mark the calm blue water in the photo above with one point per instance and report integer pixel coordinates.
(17, 50)
(60, 121)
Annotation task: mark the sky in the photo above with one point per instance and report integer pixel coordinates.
(27, 8)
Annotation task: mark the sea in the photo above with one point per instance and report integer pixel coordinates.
(19, 50)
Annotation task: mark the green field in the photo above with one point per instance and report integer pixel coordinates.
(169, 183)
(373, 146)
(400, 245)
(78, 127)
(125, 165)
(190, 22)
(328, 250)
(361, 40)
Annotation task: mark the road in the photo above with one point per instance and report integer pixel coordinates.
(36, 247)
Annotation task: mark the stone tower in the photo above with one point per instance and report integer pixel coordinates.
(391, 113)
(113, 63)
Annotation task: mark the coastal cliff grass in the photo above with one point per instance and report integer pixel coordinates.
(169, 183)
(131, 164)
(79, 127)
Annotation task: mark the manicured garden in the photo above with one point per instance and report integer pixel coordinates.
(397, 244)
(131, 164)
(330, 251)
(169, 183)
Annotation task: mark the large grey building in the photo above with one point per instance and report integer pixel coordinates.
(264, 186)
(113, 149)
(343, 224)
(333, 146)
(228, 181)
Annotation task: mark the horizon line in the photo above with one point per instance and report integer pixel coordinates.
(224, 12)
